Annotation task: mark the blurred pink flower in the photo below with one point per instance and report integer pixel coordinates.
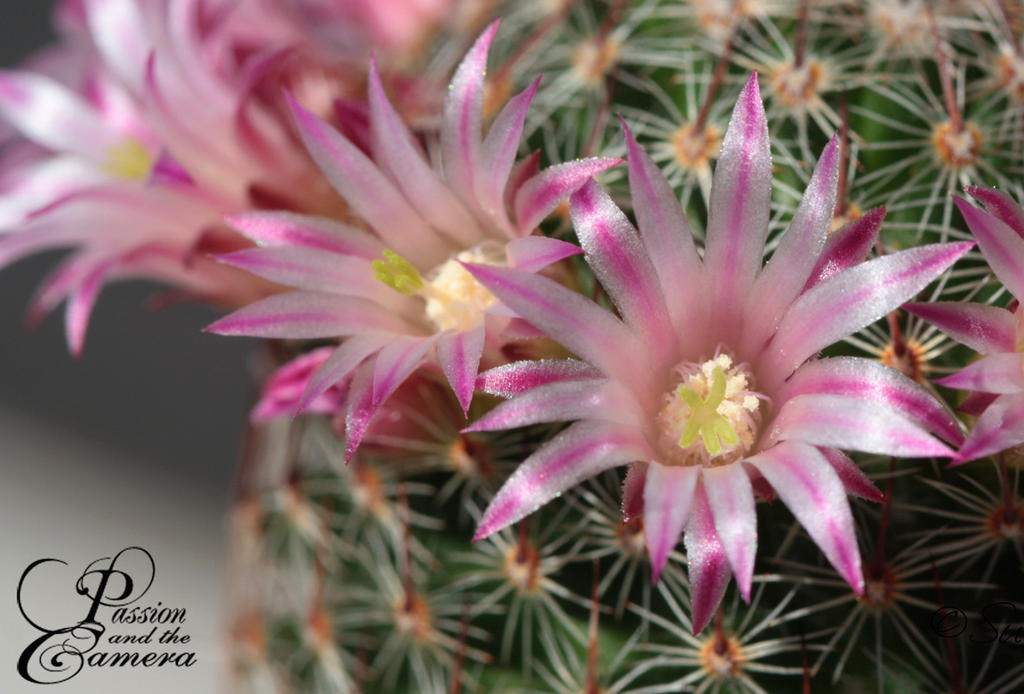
(286, 385)
(130, 140)
(710, 379)
(399, 293)
(397, 25)
(996, 381)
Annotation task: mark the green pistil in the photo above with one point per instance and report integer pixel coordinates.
(713, 428)
(398, 273)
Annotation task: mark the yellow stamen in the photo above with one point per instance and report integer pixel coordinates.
(129, 160)
(714, 405)
(398, 273)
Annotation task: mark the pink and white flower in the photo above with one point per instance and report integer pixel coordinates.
(996, 381)
(135, 136)
(708, 378)
(398, 293)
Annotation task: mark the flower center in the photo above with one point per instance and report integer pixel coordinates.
(712, 417)
(454, 299)
(129, 160)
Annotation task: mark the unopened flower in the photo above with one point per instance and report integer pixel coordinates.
(711, 377)
(399, 293)
(994, 332)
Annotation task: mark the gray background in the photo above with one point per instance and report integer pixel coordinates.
(135, 443)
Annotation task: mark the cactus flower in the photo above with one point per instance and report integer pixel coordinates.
(707, 374)
(996, 381)
(399, 293)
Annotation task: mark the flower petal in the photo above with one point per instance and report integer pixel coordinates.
(1001, 205)
(705, 556)
(983, 328)
(1000, 426)
(665, 232)
(368, 191)
(395, 362)
(847, 246)
(852, 424)
(360, 408)
(799, 250)
(459, 355)
(341, 362)
(812, 490)
(499, 152)
(996, 373)
(633, 491)
(1002, 247)
(306, 315)
(397, 153)
(871, 381)
(853, 479)
(518, 377)
(80, 304)
(284, 387)
(579, 452)
(731, 499)
(462, 118)
(668, 495)
(538, 196)
(533, 253)
(312, 269)
(619, 260)
(559, 402)
(567, 317)
(49, 114)
(854, 298)
(319, 233)
(975, 403)
(739, 207)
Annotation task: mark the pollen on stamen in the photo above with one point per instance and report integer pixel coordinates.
(711, 417)
(455, 300)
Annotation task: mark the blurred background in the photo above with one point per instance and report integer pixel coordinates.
(133, 444)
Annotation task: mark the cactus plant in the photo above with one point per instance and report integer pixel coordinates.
(522, 418)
